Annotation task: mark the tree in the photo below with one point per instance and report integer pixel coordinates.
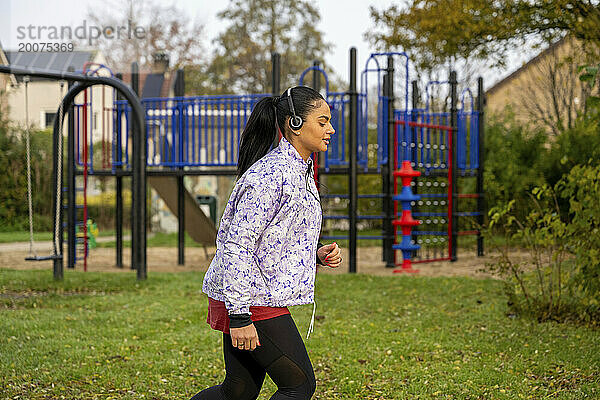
(13, 180)
(435, 31)
(166, 29)
(257, 28)
(590, 77)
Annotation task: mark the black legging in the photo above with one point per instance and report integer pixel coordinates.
(281, 354)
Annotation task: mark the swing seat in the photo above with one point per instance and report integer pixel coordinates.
(44, 258)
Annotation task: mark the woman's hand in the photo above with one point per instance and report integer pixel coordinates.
(330, 255)
(244, 338)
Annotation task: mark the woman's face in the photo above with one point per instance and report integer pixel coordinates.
(315, 132)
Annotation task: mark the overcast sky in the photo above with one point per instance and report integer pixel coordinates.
(343, 22)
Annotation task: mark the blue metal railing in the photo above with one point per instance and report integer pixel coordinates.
(196, 131)
(180, 131)
(336, 151)
(206, 131)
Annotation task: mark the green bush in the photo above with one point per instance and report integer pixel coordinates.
(13, 180)
(104, 216)
(559, 278)
(579, 145)
(581, 187)
(513, 159)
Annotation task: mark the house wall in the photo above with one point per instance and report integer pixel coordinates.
(546, 85)
(5, 82)
(44, 97)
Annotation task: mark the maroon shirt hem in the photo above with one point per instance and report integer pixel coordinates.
(218, 316)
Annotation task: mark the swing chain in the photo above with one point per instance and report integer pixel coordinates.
(28, 150)
(56, 243)
(57, 222)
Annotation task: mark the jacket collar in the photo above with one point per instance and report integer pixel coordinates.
(296, 160)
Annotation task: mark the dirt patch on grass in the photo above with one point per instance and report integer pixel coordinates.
(369, 261)
(164, 259)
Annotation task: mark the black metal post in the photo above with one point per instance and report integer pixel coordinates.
(181, 220)
(385, 184)
(390, 253)
(454, 175)
(481, 157)
(414, 118)
(316, 84)
(179, 92)
(135, 85)
(316, 76)
(61, 211)
(353, 181)
(71, 188)
(275, 81)
(119, 191)
(138, 200)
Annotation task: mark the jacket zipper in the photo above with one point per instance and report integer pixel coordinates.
(307, 175)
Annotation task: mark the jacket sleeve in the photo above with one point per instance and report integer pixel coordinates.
(319, 245)
(256, 206)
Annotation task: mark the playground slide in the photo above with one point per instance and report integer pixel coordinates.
(197, 224)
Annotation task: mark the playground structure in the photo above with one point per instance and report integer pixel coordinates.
(200, 136)
(445, 148)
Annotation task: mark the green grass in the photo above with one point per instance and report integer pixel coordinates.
(361, 242)
(23, 236)
(105, 335)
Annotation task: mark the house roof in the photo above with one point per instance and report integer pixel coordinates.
(503, 82)
(153, 84)
(4, 61)
(55, 61)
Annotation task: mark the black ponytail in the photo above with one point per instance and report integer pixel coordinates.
(258, 135)
(261, 129)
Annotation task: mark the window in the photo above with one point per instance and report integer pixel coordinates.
(49, 119)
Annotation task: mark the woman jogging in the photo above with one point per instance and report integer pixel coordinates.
(266, 247)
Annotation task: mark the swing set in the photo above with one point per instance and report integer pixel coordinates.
(33, 256)
(77, 84)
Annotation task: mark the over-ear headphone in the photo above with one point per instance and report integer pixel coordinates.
(295, 120)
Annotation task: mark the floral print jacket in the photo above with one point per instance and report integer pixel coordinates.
(268, 235)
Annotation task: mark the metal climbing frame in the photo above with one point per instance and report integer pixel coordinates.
(442, 146)
(445, 147)
(425, 141)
